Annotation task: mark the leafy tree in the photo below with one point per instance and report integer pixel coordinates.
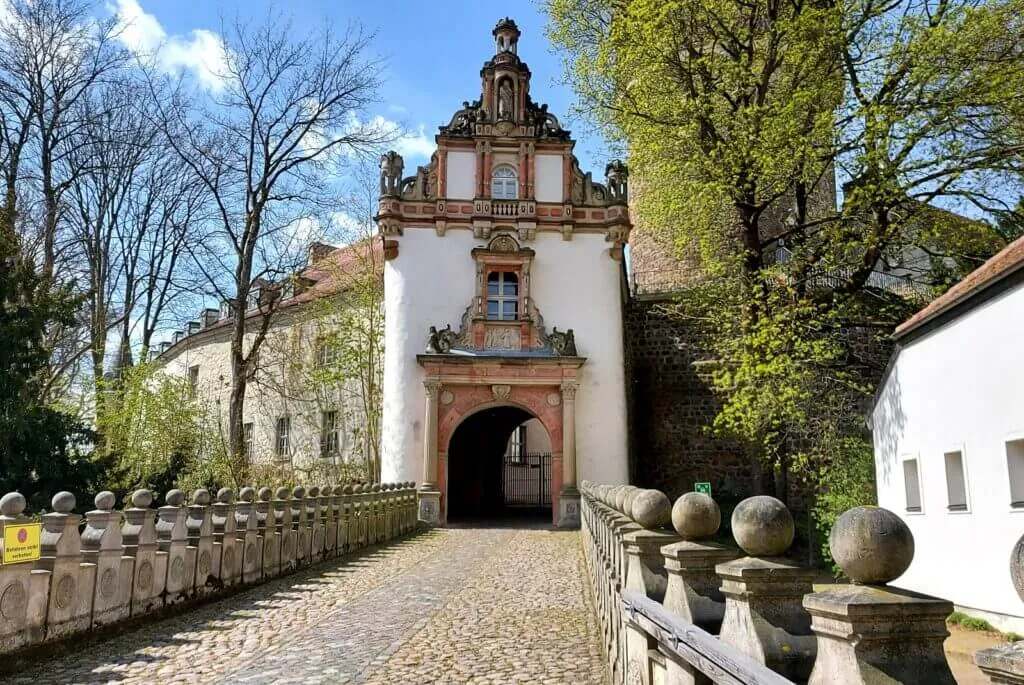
(40, 447)
(739, 115)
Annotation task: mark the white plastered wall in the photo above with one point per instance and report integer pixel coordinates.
(958, 388)
(548, 184)
(461, 182)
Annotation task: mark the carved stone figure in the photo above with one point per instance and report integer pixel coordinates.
(505, 98)
(617, 175)
(391, 166)
(440, 342)
(564, 344)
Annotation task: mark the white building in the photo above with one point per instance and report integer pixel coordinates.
(513, 256)
(298, 410)
(948, 426)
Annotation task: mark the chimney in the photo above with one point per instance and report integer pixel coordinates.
(193, 327)
(164, 346)
(209, 317)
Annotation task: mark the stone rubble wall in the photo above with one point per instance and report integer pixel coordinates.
(110, 566)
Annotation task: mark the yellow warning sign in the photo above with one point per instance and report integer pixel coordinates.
(21, 542)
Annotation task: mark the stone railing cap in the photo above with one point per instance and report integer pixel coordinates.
(225, 495)
(12, 504)
(264, 494)
(314, 491)
(174, 498)
(298, 492)
(201, 497)
(63, 502)
(282, 493)
(105, 500)
(247, 494)
(141, 499)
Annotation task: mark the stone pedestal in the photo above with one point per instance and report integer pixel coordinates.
(645, 572)
(430, 507)
(694, 589)
(764, 616)
(569, 508)
(866, 632)
(1004, 665)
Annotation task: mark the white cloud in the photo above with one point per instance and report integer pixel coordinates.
(202, 52)
(415, 144)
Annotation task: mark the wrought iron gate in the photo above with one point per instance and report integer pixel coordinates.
(526, 480)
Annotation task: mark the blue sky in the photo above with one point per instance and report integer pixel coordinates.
(433, 49)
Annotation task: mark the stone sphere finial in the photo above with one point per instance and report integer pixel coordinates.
(314, 491)
(375, 487)
(201, 497)
(174, 498)
(347, 490)
(326, 491)
(696, 516)
(12, 504)
(63, 502)
(627, 501)
(247, 494)
(264, 494)
(298, 492)
(762, 526)
(651, 509)
(872, 545)
(282, 493)
(105, 500)
(141, 499)
(1017, 567)
(225, 495)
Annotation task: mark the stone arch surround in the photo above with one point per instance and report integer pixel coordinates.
(466, 386)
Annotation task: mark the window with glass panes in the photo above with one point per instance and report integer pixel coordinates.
(504, 184)
(281, 435)
(328, 433)
(247, 438)
(502, 296)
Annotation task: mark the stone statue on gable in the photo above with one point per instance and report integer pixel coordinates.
(391, 167)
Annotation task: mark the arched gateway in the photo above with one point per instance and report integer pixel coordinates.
(498, 227)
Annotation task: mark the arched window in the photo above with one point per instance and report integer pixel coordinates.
(502, 296)
(504, 184)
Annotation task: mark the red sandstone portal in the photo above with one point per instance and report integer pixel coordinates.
(465, 385)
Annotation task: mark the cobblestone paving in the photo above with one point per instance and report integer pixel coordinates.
(452, 605)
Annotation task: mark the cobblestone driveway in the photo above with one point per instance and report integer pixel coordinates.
(452, 605)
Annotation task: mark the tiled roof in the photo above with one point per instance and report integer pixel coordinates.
(329, 275)
(1007, 261)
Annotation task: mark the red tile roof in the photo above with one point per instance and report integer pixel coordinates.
(1005, 262)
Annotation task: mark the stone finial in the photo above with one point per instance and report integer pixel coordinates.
(63, 502)
(314, 491)
(247, 494)
(201, 497)
(762, 526)
(696, 516)
(375, 487)
(298, 492)
(651, 509)
(265, 494)
(225, 495)
(105, 500)
(282, 493)
(620, 497)
(872, 545)
(325, 491)
(627, 501)
(174, 498)
(12, 504)
(347, 490)
(141, 499)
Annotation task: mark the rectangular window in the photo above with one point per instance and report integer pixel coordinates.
(193, 381)
(282, 442)
(502, 296)
(517, 444)
(247, 439)
(912, 485)
(1015, 467)
(956, 482)
(329, 433)
(326, 353)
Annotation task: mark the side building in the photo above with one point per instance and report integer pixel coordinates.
(307, 403)
(948, 431)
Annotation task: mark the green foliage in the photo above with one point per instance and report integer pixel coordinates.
(152, 428)
(1010, 223)
(1013, 637)
(41, 448)
(966, 622)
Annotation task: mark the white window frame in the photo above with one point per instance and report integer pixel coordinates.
(517, 444)
(248, 432)
(501, 298)
(282, 438)
(1007, 439)
(504, 183)
(962, 451)
(326, 353)
(916, 458)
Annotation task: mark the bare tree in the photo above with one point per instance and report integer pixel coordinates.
(288, 111)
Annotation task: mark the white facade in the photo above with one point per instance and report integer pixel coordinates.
(951, 409)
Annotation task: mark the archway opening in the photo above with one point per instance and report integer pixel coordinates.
(499, 466)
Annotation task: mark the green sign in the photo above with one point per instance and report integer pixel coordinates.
(702, 487)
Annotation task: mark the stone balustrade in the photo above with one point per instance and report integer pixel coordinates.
(677, 608)
(128, 564)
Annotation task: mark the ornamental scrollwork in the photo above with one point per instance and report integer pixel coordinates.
(563, 343)
(440, 342)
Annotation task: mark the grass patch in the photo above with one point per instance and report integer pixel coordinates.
(966, 622)
(1013, 637)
